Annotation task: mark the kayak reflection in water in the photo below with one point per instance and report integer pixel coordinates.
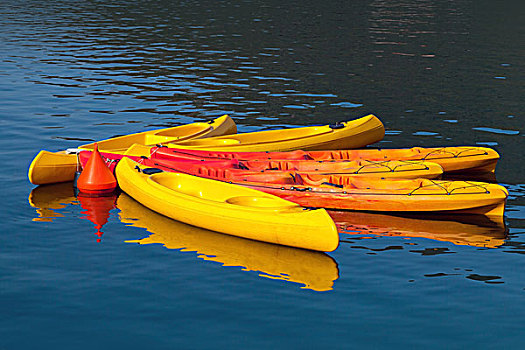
(471, 230)
(49, 199)
(97, 210)
(315, 270)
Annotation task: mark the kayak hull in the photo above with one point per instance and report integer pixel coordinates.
(52, 167)
(228, 208)
(491, 205)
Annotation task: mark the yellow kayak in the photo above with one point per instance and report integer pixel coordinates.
(314, 270)
(351, 134)
(51, 167)
(228, 208)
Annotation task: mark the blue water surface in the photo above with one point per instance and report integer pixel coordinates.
(74, 72)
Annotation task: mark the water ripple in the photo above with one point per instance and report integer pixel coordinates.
(497, 131)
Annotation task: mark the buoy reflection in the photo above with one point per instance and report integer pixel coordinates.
(97, 210)
(316, 271)
(472, 230)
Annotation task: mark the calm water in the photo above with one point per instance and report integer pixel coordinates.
(435, 72)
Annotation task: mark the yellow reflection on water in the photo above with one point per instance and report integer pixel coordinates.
(48, 199)
(477, 231)
(474, 230)
(316, 271)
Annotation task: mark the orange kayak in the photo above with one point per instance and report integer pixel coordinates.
(451, 159)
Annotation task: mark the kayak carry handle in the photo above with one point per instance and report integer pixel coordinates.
(151, 171)
(337, 125)
(332, 184)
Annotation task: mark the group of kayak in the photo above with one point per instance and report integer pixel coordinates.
(265, 185)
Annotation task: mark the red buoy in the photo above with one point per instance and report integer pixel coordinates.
(96, 178)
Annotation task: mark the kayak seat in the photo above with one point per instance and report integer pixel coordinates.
(324, 179)
(260, 202)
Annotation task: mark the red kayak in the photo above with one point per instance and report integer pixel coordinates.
(225, 170)
(271, 169)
